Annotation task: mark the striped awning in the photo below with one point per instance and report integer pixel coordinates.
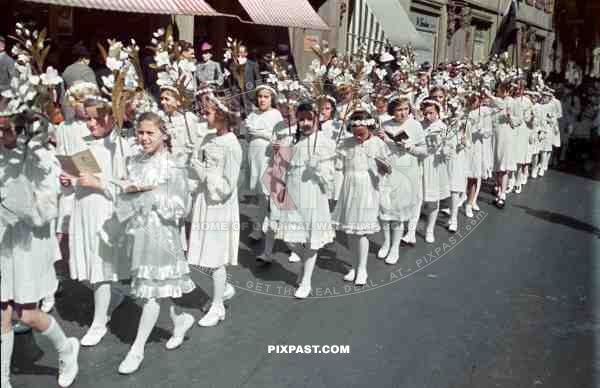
(173, 7)
(285, 13)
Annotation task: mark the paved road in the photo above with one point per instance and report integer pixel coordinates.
(511, 302)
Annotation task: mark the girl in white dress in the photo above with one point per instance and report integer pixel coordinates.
(28, 248)
(457, 165)
(357, 210)
(183, 126)
(402, 190)
(504, 160)
(306, 226)
(153, 207)
(550, 133)
(94, 256)
(436, 185)
(259, 129)
(522, 116)
(538, 123)
(215, 237)
(479, 125)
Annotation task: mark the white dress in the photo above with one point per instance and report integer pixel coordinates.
(153, 220)
(522, 112)
(458, 162)
(333, 130)
(401, 191)
(93, 228)
(547, 127)
(357, 209)
(260, 129)
(308, 179)
(556, 116)
(538, 129)
(29, 189)
(69, 140)
(186, 131)
(436, 184)
(215, 236)
(504, 135)
(479, 125)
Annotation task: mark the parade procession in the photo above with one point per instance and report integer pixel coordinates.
(129, 181)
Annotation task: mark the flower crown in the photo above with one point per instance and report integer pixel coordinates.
(363, 123)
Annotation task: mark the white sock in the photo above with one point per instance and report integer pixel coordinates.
(8, 340)
(102, 296)
(455, 202)
(56, 335)
(150, 313)
(397, 231)
(219, 282)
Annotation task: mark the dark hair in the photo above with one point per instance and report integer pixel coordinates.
(80, 52)
(360, 115)
(333, 107)
(158, 121)
(184, 45)
(304, 107)
(395, 103)
(437, 89)
(430, 102)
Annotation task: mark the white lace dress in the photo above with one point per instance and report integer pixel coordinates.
(308, 179)
(479, 160)
(93, 229)
(402, 190)
(28, 247)
(260, 128)
(153, 220)
(436, 183)
(357, 209)
(215, 235)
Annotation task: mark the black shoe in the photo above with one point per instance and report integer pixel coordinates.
(500, 203)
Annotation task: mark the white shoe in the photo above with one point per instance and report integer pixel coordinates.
(229, 292)
(453, 226)
(476, 207)
(392, 258)
(524, 182)
(429, 238)
(294, 258)
(131, 363)
(541, 173)
(48, 304)
(256, 235)
(509, 190)
(469, 211)
(93, 336)
(213, 316)
(518, 189)
(68, 365)
(383, 252)
(350, 276)
(361, 278)
(303, 291)
(183, 323)
(446, 211)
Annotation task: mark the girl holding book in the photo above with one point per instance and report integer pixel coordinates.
(402, 190)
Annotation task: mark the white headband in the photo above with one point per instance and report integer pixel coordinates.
(269, 88)
(363, 123)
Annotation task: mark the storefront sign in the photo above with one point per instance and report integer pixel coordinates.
(424, 22)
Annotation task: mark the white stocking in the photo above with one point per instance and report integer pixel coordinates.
(8, 340)
(310, 258)
(56, 335)
(102, 296)
(397, 230)
(455, 202)
(150, 313)
(545, 160)
(385, 247)
(362, 253)
(219, 281)
(432, 218)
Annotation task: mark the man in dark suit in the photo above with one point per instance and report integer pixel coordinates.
(244, 91)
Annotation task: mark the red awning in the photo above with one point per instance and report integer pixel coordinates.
(174, 7)
(286, 13)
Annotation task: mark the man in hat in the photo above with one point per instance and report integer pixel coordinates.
(245, 95)
(283, 54)
(79, 70)
(208, 72)
(7, 66)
